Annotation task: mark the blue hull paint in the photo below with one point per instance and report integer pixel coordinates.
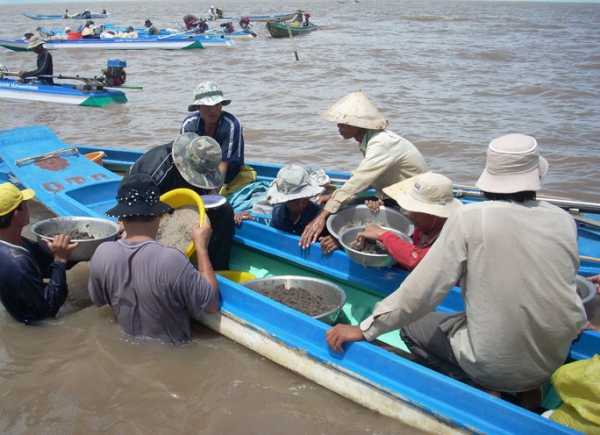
(61, 93)
(61, 17)
(84, 188)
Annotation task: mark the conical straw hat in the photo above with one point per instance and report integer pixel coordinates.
(357, 110)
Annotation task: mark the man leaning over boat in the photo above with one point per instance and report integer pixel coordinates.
(388, 159)
(517, 260)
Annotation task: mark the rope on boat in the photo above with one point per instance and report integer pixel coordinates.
(70, 150)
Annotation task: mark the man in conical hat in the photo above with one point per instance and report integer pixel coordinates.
(388, 158)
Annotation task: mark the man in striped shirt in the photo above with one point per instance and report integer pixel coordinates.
(209, 119)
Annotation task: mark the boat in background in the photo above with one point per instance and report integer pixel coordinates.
(80, 95)
(371, 374)
(283, 29)
(257, 18)
(162, 43)
(62, 17)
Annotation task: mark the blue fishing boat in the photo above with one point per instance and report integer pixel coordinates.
(80, 16)
(69, 183)
(156, 42)
(81, 95)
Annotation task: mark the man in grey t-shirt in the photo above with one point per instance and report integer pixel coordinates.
(153, 289)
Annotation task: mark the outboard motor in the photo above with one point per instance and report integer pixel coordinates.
(114, 74)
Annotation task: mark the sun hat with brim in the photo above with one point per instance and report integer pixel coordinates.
(11, 197)
(357, 110)
(88, 31)
(292, 182)
(513, 165)
(34, 41)
(431, 194)
(208, 94)
(138, 195)
(198, 158)
(403, 187)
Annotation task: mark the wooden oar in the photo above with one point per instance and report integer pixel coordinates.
(292, 40)
(180, 34)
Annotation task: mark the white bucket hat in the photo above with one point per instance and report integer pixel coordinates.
(430, 193)
(207, 94)
(292, 182)
(513, 165)
(357, 110)
(34, 41)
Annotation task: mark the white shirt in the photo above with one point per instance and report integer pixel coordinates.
(517, 264)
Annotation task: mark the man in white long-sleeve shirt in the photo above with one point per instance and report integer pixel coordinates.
(516, 259)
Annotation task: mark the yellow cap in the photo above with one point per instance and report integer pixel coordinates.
(11, 197)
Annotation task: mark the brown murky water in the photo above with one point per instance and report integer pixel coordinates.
(451, 76)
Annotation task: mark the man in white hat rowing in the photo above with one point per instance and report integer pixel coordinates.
(388, 158)
(517, 260)
(44, 62)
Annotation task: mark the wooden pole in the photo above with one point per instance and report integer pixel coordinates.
(292, 40)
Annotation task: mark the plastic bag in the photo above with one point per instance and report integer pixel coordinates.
(578, 384)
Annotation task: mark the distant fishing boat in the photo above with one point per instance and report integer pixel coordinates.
(283, 30)
(62, 16)
(79, 95)
(258, 18)
(164, 43)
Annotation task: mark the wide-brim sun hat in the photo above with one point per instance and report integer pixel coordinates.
(197, 159)
(207, 94)
(11, 197)
(88, 31)
(430, 193)
(292, 182)
(34, 41)
(513, 165)
(138, 195)
(357, 110)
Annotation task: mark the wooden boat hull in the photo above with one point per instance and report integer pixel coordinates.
(282, 30)
(120, 44)
(59, 93)
(61, 17)
(365, 373)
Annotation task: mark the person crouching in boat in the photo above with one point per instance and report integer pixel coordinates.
(517, 260)
(290, 194)
(388, 159)
(44, 62)
(228, 27)
(429, 203)
(245, 23)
